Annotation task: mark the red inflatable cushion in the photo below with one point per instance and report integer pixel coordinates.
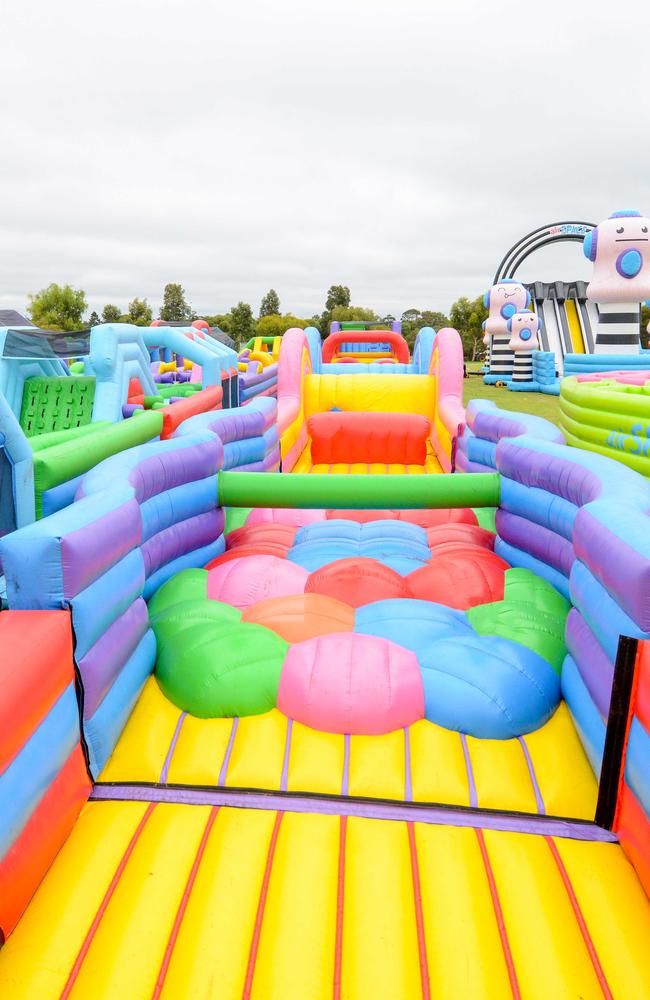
(357, 581)
(425, 518)
(368, 437)
(459, 576)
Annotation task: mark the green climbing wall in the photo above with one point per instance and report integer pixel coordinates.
(56, 404)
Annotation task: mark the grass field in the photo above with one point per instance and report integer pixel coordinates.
(537, 403)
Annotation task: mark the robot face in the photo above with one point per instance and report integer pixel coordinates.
(523, 328)
(503, 300)
(619, 249)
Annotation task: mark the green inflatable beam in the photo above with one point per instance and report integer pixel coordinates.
(364, 492)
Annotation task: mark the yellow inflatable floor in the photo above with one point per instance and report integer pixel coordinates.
(180, 901)
(544, 772)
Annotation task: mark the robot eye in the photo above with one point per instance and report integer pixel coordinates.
(644, 229)
(621, 230)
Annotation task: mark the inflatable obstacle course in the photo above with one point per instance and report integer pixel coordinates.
(284, 683)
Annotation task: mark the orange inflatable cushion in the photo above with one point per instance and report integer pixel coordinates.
(301, 616)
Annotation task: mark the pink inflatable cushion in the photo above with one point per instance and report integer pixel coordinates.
(299, 518)
(348, 683)
(245, 581)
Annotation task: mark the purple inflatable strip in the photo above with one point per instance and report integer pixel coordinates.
(181, 538)
(552, 473)
(172, 746)
(473, 797)
(221, 780)
(408, 786)
(105, 659)
(89, 551)
(595, 667)
(622, 570)
(173, 468)
(412, 812)
(541, 808)
(345, 783)
(287, 753)
(537, 541)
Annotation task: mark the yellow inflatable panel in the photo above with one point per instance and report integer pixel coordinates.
(377, 765)
(258, 751)
(142, 748)
(316, 761)
(374, 393)
(464, 950)
(297, 947)
(215, 902)
(438, 771)
(577, 342)
(380, 944)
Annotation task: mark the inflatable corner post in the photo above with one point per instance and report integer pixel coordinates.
(619, 249)
(523, 328)
(502, 301)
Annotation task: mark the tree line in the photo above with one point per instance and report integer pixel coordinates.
(64, 308)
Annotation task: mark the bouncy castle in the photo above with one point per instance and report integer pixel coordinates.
(344, 692)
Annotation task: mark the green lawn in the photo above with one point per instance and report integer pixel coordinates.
(537, 403)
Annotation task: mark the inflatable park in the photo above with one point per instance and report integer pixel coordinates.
(316, 681)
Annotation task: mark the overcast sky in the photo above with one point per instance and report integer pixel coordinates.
(397, 146)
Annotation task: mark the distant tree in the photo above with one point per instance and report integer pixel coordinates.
(435, 319)
(645, 319)
(94, 319)
(414, 319)
(241, 323)
(337, 295)
(111, 314)
(140, 313)
(275, 326)
(270, 305)
(348, 314)
(467, 317)
(57, 307)
(175, 308)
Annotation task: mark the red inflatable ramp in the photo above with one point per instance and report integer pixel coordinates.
(368, 437)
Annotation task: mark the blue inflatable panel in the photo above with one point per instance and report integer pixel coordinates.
(591, 728)
(637, 763)
(601, 612)
(29, 775)
(103, 729)
(517, 557)
(540, 506)
(195, 559)
(531, 386)
(177, 504)
(59, 496)
(97, 607)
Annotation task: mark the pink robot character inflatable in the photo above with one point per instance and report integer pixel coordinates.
(620, 251)
(503, 300)
(524, 330)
